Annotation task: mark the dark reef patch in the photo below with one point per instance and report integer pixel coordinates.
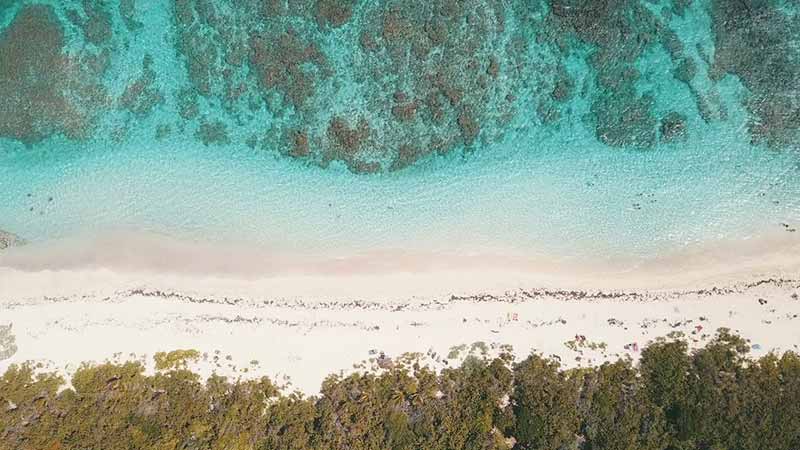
(422, 76)
(673, 126)
(44, 90)
(334, 13)
(759, 42)
(94, 20)
(299, 144)
(5, 7)
(188, 108)
(614, 34)
(434, 77)
(347, 141)
(127, 10)
(142, 96)
(287, 64)
(163, 131)
(435, 68)
(97, 27)
(381, 85)
(213, 133)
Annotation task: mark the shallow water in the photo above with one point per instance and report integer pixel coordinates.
(537, 189)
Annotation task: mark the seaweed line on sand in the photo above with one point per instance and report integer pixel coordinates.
(511, 296)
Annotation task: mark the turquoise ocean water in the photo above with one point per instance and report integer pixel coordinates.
(529, 185)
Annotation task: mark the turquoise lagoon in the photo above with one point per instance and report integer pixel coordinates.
(529, 186)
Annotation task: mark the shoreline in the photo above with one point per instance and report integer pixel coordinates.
(391, 272)
(302, 325)
(9, 240)
(298, 342)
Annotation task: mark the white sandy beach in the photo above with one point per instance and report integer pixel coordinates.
(116, 299)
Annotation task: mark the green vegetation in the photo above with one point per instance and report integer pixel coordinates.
(711, 398)
(175, 359)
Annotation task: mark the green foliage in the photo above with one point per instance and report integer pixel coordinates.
(711, 398)
(545, 404)
(665, 370)
(618, 415)
(175, 359)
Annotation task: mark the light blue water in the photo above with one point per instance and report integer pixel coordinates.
(538, 190)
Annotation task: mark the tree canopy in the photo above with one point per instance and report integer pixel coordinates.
(716, 397)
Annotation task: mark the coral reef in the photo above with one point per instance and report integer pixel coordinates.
(617, 33)
(407, 83)
(379, 86)
(673, 126)
(758, 41)
(430, 78)
(142, 96)
(95, 21)
(215, 132)
(45, 90)
(127, 10)
(334, 13)
(282, 64)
